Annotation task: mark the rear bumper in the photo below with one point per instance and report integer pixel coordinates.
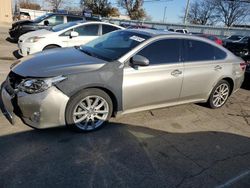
(41, 110)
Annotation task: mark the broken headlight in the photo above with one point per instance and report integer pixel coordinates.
(38, 85)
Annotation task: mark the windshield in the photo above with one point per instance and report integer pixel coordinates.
(113, 45)
(40, 18)
(61, 27)
(235, 37)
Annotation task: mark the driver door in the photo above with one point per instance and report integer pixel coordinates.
(157, 84)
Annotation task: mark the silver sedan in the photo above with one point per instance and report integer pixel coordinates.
(120, 72)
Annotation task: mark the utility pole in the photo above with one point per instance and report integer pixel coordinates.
(164, 16)
(186, 12)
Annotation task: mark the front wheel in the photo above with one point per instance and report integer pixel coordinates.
(88, 110)
(219, 94)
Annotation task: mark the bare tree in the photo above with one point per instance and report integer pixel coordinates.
(29, 5)
(55, 4)
(133, 8)
(231, 12)
(202, 13)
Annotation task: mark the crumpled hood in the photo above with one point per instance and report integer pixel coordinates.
(55, 62)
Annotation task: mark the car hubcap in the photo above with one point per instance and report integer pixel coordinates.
(220, 95)
(90, 113)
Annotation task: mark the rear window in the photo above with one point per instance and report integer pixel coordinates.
(201, 51)
(108, 28)
(235, 37)
(72, 19)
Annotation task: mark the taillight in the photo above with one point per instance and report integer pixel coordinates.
(218, 41)
(243, 66)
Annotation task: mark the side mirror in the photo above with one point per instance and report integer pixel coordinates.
(73, 34)
(46, 22)
(139, 60)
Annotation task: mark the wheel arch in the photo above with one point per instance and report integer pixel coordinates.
(52, 45)
(228, 79)
(231, 83)
(106, 90)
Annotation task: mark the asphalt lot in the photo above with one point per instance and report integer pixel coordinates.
(183, 146)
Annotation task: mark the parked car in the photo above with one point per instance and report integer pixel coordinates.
(121, 72)
(232, 38)
(247, 60)
(22, 16)
(212, 38)
(43, 22)
(185, 31)
(138, 26)
(64, 35)
(241, 47)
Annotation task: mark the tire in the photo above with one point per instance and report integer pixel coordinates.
(50, 47)
(219, 94)
(88, 110)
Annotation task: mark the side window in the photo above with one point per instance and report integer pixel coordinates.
(55, 20)
(179, 31)
(88, 30)
(163, 51)
(73, 19)
(201, 51)
(66, 33)
(219, 54)
(108, 28)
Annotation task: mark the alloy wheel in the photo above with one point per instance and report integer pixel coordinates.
(90, 112)
(220, 95)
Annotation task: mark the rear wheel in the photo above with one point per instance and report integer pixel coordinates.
(219, 94)
(88, 110)
(50, 47)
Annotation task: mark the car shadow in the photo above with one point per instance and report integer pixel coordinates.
(11, 40)
(16, 54)
(120, 155)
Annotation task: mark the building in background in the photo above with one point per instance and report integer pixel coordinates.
(5, 11)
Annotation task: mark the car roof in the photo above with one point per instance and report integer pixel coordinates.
(153, 32)
(65, 14)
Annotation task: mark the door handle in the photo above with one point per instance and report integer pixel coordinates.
(176, 72)
(217, 67)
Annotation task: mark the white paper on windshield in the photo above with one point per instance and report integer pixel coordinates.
(136, 38)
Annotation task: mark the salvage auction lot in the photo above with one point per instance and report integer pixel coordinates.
(183, 146)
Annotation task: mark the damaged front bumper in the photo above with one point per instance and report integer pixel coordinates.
(40, 110)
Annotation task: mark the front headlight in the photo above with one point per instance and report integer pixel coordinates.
(34, 39)
(38, 85)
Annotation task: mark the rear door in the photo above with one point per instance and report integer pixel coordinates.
(203, 64)
(156, 84)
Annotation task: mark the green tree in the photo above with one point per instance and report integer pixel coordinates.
(101, 7)
(134, 8)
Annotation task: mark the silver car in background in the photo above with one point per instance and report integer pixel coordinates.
(120, 72)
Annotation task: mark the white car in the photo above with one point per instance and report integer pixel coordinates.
(63, 35)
